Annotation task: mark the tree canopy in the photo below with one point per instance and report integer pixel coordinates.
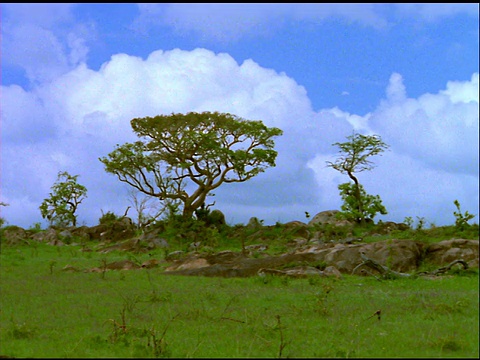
(203, 150)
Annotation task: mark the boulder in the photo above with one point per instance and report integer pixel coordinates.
(444, 252)
(254, 223)
(14, 235)
(328, 217)
(82, 233)
(115, 231)
(297, 228)
(48, 236)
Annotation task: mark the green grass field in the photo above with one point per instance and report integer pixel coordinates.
(47, 312)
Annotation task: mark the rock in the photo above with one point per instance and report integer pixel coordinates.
(296, 272)
(444, 252)
(118, 230)
(175, 255)
(148, 264)
(332, 271)
(70, 268)
(256, 247)
(328, 217)
(14, 235)
(122, 265)
(81, 233)
(389, 226)
(65, 236)
(195, 263)
(254, 223)
(56, 242)
(399, 255)
(297, 228)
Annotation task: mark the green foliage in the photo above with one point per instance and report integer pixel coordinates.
(356, 152)
(108, 218)
(37, 227)
(203, 149)
(177, 229)
(408, 221)
(354, 158)
(370, 204)
(59, 209)
(2, 220)
(461, 220)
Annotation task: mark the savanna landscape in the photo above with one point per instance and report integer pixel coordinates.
(111, 291)
(181, 282)
(239, 180)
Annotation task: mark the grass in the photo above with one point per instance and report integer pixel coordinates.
(47, 312)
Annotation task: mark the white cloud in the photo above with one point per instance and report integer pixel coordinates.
(435, 11)
(91, 112)
(223, 22)
(439, 129)
(433, 155)
(42, 39)
(226, 22)
(433, 138)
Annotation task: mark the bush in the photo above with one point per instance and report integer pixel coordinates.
(108, 218)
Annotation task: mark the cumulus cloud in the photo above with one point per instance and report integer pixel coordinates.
(433, 155)
(90, 111)
(83, 113)
(440, 129)
(42, 39)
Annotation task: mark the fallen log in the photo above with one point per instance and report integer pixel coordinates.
(387, 273)
(445, 268)
(384, 271)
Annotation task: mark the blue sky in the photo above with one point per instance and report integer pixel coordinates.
(74, 75)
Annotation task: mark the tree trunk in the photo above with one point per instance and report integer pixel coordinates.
(358, 196)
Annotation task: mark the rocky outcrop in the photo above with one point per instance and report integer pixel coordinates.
(399, 255)
(14, 235)
(446, 251)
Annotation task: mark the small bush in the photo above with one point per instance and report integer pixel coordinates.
(108, 218)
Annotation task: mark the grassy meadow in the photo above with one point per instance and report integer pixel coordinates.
(48, 312)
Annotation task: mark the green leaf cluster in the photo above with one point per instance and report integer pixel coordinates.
(461, 220)
(371, 204)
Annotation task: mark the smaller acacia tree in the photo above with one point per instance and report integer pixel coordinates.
(66, 195)
(354, 158)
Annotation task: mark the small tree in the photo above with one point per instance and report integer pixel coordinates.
(2, 220)
(461, 220)
(354, 158)
(66, 195)
(371, 204)
(203, 150)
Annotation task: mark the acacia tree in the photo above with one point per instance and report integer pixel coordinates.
(203, 150)
(354, 158)
(64, 199)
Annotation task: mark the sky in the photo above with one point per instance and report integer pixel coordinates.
(74, 75)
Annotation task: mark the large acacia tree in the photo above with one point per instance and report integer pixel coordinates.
(203, 150)
(354, 158)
